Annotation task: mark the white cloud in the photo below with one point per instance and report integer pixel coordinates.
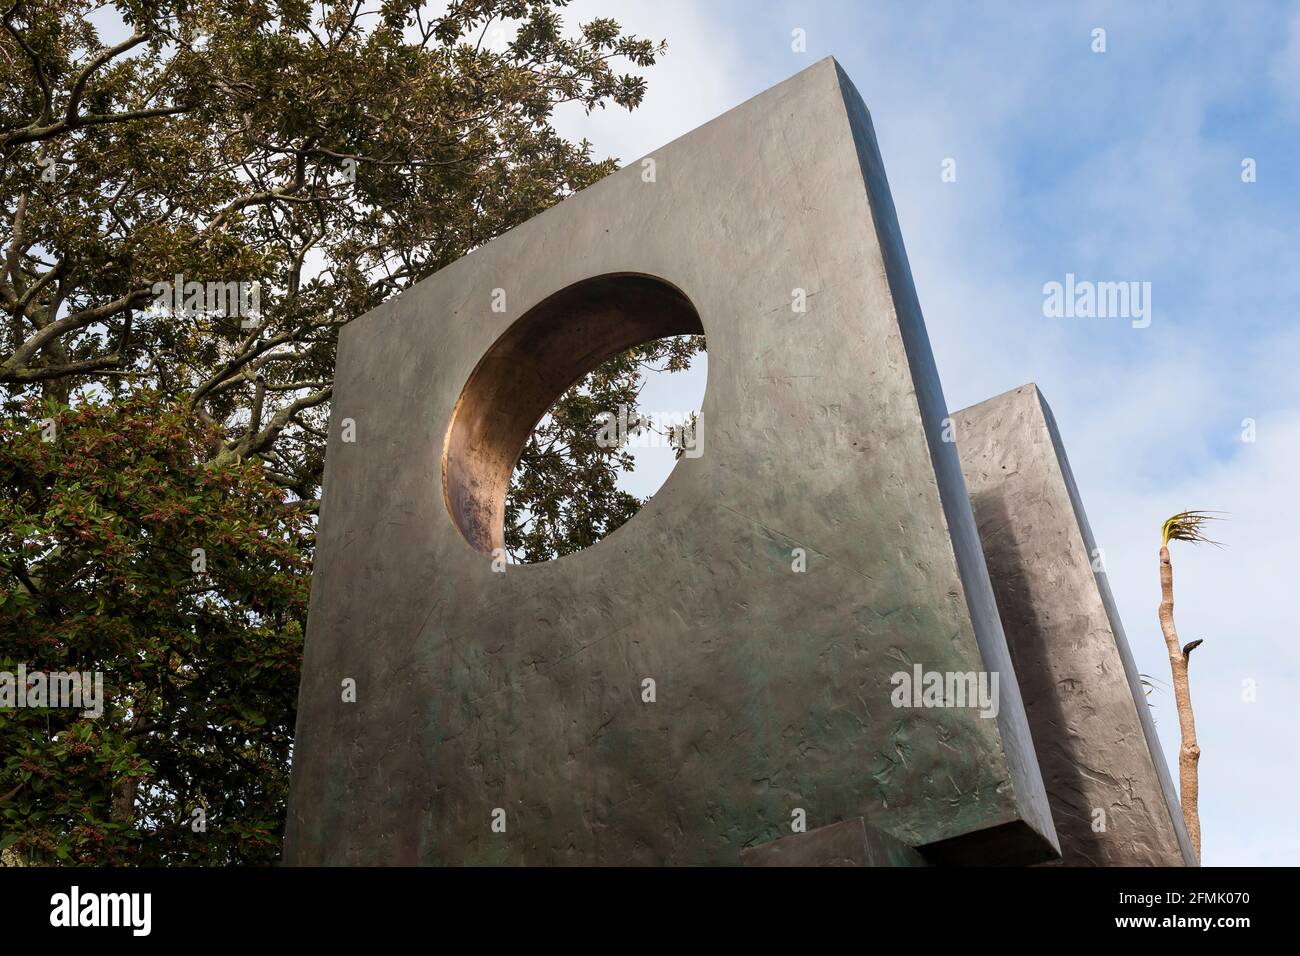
(701, 75)
(1286, 64)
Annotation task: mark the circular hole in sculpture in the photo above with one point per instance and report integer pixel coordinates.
(575, 417)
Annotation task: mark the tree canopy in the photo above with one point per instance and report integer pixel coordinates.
(331, 154)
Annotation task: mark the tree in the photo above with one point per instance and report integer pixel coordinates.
(1184, 526)
(327, 156)
(184, 584)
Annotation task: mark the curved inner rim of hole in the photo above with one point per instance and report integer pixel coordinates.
(549, 349)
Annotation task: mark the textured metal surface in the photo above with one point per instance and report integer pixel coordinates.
(520, 692)
(851, 843)
(1096, 743)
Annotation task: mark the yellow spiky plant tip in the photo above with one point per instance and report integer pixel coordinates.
(1187, 526)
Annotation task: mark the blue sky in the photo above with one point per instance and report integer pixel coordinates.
(1115, 166)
